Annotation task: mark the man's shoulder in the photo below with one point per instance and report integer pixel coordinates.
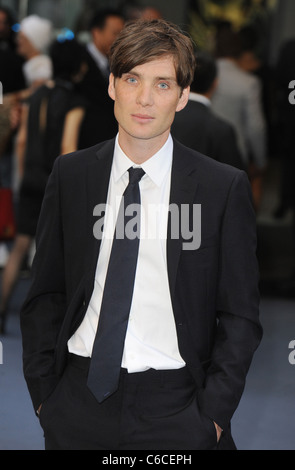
(217, 177)
(204, 164)
(80, 159)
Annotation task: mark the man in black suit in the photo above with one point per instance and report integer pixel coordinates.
(198, 127)
(99, 123)
(193, 322)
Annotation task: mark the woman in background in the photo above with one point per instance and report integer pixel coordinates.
(50, 127)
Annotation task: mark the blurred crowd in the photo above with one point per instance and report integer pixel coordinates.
(55, 100)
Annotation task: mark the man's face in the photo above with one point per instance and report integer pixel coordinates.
(104, 38)
(146, 100)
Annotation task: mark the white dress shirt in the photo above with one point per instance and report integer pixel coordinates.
(151, 339)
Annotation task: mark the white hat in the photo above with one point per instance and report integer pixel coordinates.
(37, 30)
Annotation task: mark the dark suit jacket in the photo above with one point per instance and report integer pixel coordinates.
(99, 123)
(197, 127)
(213, 289)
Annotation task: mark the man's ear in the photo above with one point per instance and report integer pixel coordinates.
(111, 88)
(183, 99)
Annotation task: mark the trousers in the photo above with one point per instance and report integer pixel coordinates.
(151, 410)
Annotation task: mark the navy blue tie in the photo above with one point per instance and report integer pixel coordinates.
(105, 364)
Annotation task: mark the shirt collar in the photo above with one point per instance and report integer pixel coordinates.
(100, 59)
(199, 98)
(155, 167)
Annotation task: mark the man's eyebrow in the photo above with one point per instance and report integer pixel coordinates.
(170, 79)
(132, 72)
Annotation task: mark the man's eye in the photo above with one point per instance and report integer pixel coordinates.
(131, 80)
(163, 86)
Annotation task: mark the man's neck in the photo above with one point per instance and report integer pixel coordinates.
(141, 150)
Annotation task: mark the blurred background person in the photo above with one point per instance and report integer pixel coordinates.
(137, 12)
(100, 123)
(238, 99)
(150, 13)
(11, 74)
(12, 80)
(197, 127)
(52, 126)
(33, 39)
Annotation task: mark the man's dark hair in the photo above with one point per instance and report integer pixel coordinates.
(227, 41)
(67, 58)
(248, 39)
(205, 73)
(100, 17)
(143, 41)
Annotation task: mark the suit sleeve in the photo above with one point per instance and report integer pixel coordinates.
(44, 308)
(238, 331)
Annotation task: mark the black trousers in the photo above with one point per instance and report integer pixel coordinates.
(152, 410)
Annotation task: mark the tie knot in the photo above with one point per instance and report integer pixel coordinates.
(135, 175)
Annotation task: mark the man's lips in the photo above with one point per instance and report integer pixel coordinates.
(142, 117)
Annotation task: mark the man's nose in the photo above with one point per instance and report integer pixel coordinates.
(145, 95)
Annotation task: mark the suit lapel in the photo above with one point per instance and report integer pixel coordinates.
(183, 189)
(97, 183)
